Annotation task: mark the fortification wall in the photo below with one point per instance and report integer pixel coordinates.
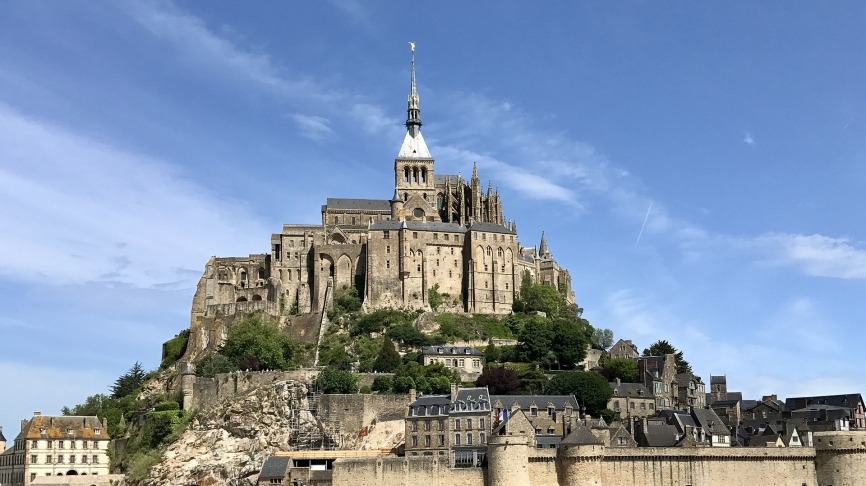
(840, 458)
(207, 392)
(400, 471)
(708, 466)
(358, 411)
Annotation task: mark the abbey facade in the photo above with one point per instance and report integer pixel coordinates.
(436, 231)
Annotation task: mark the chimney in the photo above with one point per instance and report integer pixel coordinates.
(36, 414)
(105, 420)
(412, 395)
(454, 390)
(617, 381)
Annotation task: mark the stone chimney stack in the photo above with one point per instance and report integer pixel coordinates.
(617, 381)
(454, 389)
(413, 394)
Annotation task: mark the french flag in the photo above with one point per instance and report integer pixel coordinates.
(503, 415)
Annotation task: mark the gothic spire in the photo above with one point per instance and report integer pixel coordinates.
(542, 249)
(413, 118)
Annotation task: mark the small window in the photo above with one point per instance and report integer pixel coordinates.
(388, 249)
(386, 235)
(435, 236)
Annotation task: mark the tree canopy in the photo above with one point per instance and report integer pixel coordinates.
(128, 382)
(499, 381)
(388, 359)
(331, 380)
(255, 344)
(591, 389)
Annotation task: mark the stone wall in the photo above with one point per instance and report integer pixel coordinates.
(358, 411)
(840, 458)
(207, 392)
(514, 463)
(398, 471)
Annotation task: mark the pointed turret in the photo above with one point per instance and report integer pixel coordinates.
(413, 118)
(543, 251)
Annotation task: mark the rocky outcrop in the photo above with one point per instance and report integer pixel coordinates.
(229, 443)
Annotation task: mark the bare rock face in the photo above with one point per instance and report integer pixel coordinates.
(228, 444)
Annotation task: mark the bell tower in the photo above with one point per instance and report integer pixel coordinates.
(413, 167)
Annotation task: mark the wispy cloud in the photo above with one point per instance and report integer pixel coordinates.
(311, 126)
(748, 140)
(84, 211)
(816, 255)
(190, 36)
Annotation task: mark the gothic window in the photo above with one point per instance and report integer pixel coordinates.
(499, 252)
(440, 201)
(489, 251)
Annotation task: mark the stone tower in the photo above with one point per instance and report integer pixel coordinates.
(413, 167)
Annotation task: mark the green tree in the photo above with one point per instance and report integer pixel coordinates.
(662, 347)
(383, 384)
(434, 298)
(591, 389)
(623, 368)
(128, 382)
(535, 340)
(602, 338)
(337, 381)
(257, 344)
(492, 353)
(388, 359)
(569, 342)
(212, 364)
(406, 334)
(532, 381)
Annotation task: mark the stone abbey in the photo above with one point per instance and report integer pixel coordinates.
(436, 231)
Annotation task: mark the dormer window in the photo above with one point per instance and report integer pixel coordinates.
(96, 431)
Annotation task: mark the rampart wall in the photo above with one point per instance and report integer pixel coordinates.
(394, 471)
(840, 458)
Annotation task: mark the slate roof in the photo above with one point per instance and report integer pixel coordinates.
(2, 438)
(471, 400)
(63, 427)
(718, 380)
(524, 402)
(710, 421)
(418, 226)
(490, 228)
(440, 180)
(358, 204)
(658, 433)
(746, 405)
(430, 406)
(275, 467)
(581, 435)
(849, 400)
(632, 390)
(725, 403)
(450, 351)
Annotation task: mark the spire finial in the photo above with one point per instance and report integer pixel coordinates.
(413, 118)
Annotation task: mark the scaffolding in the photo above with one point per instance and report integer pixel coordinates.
(311, 428)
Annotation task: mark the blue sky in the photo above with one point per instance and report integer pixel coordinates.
(138, 139)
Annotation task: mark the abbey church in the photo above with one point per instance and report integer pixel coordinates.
(436, 231)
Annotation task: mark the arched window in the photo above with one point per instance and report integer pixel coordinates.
(418, 213)
(405, 196)
(499, 252)
(489, 251)
(415, 174)
(424, 196)
(423, 174)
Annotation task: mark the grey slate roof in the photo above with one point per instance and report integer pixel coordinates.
(718, 380)
(630, 390)
(418, 226)
(490, 228)
(524, 402)
(450, 351)
(439, 180)
(430, 406)
(358, 204)
(275, 467)
(581, 435)
(471, 400)
(849, 400)
(658, 433)
(1, 435)
(710, 421)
